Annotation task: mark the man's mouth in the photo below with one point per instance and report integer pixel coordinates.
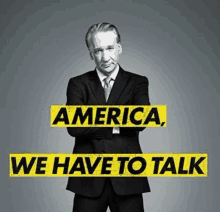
(106, 65)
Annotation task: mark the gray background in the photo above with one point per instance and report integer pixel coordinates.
(174, 43)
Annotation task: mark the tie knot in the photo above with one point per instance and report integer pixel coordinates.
(107, 80)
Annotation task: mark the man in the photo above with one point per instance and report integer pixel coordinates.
(108, 84)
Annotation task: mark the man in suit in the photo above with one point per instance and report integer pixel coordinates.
(108, 84)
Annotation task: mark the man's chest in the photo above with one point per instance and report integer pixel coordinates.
(95, 95)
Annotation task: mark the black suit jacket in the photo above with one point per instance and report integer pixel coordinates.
(128, 89)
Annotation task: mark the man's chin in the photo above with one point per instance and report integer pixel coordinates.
(108, 69)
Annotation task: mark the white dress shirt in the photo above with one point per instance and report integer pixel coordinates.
(115, 130)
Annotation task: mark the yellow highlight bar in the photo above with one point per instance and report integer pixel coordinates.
(108, 116)
(109, 165)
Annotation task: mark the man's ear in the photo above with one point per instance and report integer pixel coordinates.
(119, 48)
(91, 56)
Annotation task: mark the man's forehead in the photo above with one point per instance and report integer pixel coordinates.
(104, 38)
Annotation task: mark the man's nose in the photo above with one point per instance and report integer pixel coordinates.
(105, 56)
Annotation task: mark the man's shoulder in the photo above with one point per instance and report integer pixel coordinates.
(134, 76)
(83, 77)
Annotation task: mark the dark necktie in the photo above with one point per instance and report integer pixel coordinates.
(107, 87)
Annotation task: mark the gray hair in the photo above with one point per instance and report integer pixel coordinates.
(101, 27)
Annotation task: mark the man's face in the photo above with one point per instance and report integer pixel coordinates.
(105, 50)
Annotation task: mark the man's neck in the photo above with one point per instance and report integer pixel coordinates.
(108, 73)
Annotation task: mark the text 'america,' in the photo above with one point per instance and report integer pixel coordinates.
(108, 116)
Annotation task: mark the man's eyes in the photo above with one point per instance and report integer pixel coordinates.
(97, 51)
(100, 50)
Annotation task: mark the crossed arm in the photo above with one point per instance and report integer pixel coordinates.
(75, 97)
(140, 97)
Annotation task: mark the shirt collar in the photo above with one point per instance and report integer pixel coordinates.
(113, 74)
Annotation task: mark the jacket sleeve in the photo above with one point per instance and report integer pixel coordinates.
(140, 97)
(75, 97)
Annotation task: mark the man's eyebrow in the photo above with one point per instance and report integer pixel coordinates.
(97, 49)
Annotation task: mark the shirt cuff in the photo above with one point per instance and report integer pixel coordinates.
(116, 130)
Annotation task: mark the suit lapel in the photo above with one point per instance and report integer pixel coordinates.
(97, 88)
(118, 87)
